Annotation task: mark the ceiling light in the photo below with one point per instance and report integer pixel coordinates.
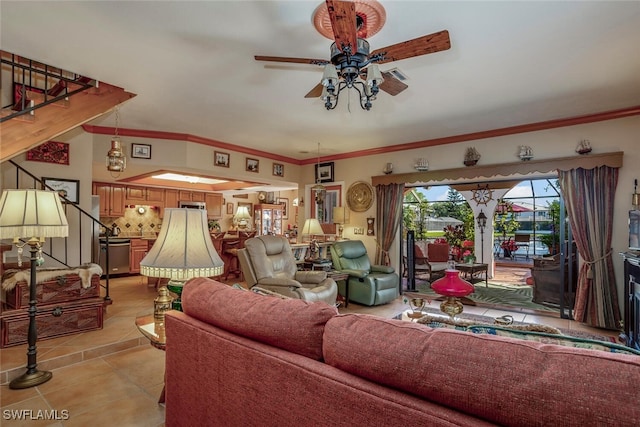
(345, 72)
(116, 160)
(192, 179)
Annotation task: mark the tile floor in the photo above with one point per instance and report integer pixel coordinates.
(114, 377)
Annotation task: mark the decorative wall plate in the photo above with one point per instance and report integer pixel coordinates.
(360, 196)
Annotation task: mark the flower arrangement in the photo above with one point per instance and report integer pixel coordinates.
(467, 251)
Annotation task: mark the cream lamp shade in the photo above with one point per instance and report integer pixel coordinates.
(311, 227)
(340, 215)
(183, 249)
(242, 215)
(32, 213)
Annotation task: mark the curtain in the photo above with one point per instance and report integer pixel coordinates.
(389, 213)
(589, 196)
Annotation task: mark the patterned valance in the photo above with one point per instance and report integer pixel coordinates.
(588, 161)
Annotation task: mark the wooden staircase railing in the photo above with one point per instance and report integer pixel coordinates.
(58, 102)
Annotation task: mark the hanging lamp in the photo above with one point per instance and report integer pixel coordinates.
(116, 160)
(319, 190)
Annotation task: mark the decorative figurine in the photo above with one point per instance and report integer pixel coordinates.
(584, 147)
(471, 156)
(526, 153)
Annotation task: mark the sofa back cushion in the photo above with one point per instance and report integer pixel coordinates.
(350, 255)
(498, 379)
(438, 252)
(290, 324)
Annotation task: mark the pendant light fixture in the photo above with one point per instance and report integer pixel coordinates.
(116, 160)
(319, 190)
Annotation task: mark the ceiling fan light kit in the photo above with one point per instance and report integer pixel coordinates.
(350, 22)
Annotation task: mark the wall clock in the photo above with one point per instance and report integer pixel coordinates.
(482, 195)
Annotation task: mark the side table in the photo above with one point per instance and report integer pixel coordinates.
(155, 333)
(338, 276)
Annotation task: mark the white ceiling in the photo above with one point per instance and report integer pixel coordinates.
(191, 65)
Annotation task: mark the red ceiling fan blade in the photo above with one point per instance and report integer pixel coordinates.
(315, 92)
(343, 22)
(420, 46)
(292, 60)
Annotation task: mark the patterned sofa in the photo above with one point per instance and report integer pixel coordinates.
(235, 358)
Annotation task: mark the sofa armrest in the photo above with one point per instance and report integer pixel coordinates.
(311, 277)
(356, 273)
(382, 269)
(277, 281)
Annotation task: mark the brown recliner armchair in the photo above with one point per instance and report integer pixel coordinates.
(267, 262)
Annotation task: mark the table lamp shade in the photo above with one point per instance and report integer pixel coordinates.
(340, 215)
(32, 213)
(183, 249)
(311, 226)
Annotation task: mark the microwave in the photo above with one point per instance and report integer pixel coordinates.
(193, 205)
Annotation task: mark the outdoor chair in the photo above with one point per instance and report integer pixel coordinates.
(522, 241)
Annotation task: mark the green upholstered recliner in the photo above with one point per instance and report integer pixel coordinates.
(368, 284)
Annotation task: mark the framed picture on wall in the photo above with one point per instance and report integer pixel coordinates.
(253, 165)
(221, 159)
(278, 169)
(229, 208)
(324, 172)
(285, 210)
(140, 151)
(69, 188)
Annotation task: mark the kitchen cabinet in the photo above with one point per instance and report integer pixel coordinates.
(268, 219)
(170, 198)
(136, 195)
(214, 205)
(137, 251)
(155, 194)
(144, 196)
(198, 196)
(112, 198)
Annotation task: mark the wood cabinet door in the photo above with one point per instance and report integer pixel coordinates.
(137, 253)
(155, 195)
(104, 192)
(170, 198)
(117, 200)
(198, 196)
(184, 196)
(136, 194)
(214, 205)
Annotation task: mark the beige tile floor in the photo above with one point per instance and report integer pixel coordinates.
(114, 377)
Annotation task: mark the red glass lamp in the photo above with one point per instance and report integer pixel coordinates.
(452, 287)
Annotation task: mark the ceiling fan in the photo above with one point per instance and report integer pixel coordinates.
(352, 65)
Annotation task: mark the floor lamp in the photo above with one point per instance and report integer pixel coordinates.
(33, 215)
(182, 251)
(482, 223)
